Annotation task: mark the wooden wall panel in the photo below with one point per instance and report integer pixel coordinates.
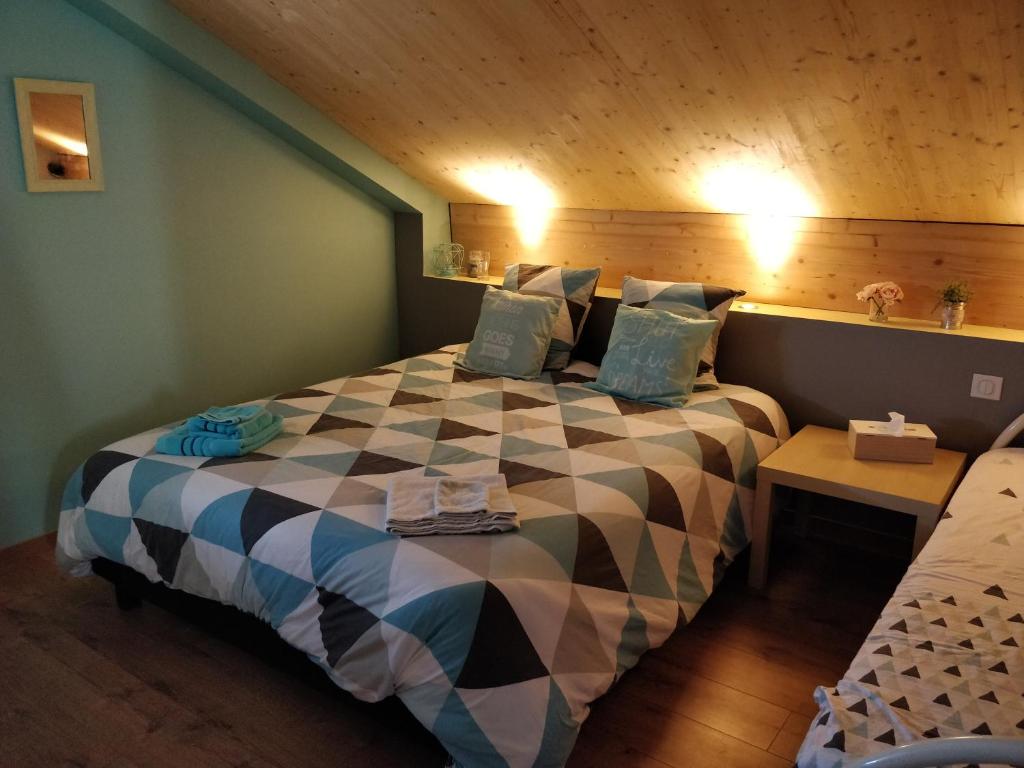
(831, 259)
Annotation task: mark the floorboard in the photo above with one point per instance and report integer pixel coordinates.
(86, 684)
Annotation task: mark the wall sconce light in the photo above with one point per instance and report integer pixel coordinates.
(531, 199)
(772, 203)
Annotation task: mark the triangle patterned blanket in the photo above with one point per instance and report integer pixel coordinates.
(496, 643)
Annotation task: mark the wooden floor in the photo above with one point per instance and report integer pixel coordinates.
(85, 684)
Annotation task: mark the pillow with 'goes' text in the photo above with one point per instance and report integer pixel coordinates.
(512, 335)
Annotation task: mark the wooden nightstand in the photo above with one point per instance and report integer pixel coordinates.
(818, 459)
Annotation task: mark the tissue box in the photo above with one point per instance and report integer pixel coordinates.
(869, 440)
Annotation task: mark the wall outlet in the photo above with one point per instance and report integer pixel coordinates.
(987, 387)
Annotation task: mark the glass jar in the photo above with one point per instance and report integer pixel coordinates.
(478, 264)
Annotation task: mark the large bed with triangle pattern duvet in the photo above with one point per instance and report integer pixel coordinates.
(496, 643)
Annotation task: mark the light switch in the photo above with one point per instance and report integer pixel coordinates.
(987, 387)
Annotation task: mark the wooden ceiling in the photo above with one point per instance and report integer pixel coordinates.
(890, 109)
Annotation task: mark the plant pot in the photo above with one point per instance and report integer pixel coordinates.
(952, 316)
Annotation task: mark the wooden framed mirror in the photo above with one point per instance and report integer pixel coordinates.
(60, 139)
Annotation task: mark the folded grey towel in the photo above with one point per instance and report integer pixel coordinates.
(492, 525)
(418, 506)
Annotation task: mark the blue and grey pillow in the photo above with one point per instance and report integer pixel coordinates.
(652, 356)
(574, 287)
(683, 299)
(512, 334)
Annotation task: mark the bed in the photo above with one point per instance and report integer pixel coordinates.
(946, 657)
(497, 644)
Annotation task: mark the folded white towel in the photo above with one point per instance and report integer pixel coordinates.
(418, 506)
(410, 498)
(460, 496)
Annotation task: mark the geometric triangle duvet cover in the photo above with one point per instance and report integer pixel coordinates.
(496, 643)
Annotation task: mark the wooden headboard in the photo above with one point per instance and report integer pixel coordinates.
(831, 258)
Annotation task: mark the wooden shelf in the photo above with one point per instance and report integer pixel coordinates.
(895, 323)
(823, 315)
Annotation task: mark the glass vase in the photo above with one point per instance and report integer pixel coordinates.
(877, 313)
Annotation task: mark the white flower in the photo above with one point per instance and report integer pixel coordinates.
(890, 293)
(886, 293)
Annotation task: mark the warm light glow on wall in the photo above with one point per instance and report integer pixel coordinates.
(772, 203)
(73, 146)
(519, 188)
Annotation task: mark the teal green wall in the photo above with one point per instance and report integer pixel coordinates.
(220, 264)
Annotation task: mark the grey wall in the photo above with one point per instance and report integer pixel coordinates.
(828, 373)
(820, 372)
(431, 313)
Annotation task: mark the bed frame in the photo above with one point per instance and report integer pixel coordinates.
(224, 622)
(976, 750)
(130, 587)
(1009, 434)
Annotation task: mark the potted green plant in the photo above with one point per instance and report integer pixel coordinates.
(952, 297)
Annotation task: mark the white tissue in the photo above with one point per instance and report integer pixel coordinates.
(895, 424)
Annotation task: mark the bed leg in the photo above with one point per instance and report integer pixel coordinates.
(127, 595)
(129, 587)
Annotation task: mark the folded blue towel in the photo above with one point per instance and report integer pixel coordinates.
(203, 426)
(182, 442)
(230, 414)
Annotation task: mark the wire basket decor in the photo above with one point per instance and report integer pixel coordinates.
(448, 259)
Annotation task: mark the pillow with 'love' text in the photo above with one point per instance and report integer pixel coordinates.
(652, 356)
(687, 300)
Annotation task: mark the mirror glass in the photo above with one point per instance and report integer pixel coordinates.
(58, 130)
(60, 137)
